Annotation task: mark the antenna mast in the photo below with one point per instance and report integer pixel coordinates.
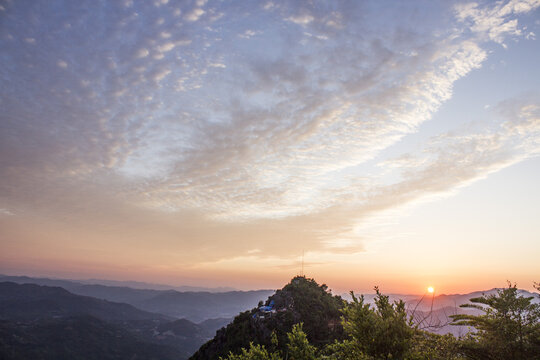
(302, 263)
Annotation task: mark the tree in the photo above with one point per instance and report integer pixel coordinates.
(344, 350)
(255, 352)
(509, 327)
(384, 332)
(430, 346)
(298, 346)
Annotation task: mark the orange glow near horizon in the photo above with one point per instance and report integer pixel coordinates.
(209, 156)
(361, 280)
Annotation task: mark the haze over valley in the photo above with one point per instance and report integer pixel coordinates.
(211, 179)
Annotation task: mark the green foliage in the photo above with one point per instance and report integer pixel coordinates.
(298, 348)
(76, 338)
(509, 327)
(429, 346)
(255, 352)
(315, 307)
(343, 350)
(300, 301)
(298, 345)
(382, 333)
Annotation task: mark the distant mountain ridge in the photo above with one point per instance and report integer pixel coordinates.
(128, 283)
(31, 301)
(194, 306)
(433, 312)
(151, 313)
(152, 286)
(442, 300)
(36, 321)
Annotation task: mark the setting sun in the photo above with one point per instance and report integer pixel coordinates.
(188, 144)
(174, 173)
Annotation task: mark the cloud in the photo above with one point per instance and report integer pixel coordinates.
(6, 212)
(301, 19)
(493, 22)
(247, 34)
(166, 47)
(160, 74)
(466, 157)
(142, 53)
(268, 5)
(213, 140)
(195, 14)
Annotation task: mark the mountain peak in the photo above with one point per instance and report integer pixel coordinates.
(302, 300)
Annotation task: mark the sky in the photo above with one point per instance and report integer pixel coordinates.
(226, 143)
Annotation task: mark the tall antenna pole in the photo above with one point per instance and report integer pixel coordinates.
(302, 262)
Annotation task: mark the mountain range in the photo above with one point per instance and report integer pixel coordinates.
(432, 312)
(194, 306)
(66, 319)
(50, 322)
(127, 283)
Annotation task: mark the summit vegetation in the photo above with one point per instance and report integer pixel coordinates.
(301, 321)
(269, 325)
(304, 321)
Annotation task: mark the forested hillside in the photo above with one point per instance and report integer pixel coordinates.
(300, 301)
(44, 322)
(195, 306)
(302, 322)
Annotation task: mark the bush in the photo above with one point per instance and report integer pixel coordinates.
(508, 329)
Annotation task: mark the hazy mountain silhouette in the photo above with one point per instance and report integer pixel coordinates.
(30, 302)
(194, 306)
(152, 286)
(50, 322)
(432, 312)
(80, 337)
(199, 306)
(114, 283)
(43, 322)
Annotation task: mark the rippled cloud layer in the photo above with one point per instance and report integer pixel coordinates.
(204, 130)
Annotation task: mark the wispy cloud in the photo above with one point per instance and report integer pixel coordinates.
(220, 123)
(495, 21)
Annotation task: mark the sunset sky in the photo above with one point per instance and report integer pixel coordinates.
(212, 142)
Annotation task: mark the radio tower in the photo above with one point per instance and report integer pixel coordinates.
(302, 273)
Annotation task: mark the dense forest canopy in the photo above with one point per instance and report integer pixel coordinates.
(508, 327)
